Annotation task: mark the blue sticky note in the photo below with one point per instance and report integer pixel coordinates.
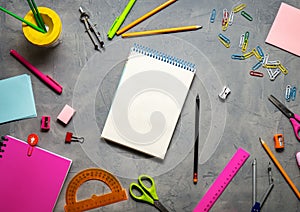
(16, 99)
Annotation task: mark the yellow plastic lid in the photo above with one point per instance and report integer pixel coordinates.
(53, 25)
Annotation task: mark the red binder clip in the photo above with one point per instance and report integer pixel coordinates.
(69, 138)
(32, 140)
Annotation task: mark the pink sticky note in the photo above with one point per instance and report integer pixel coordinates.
(66, 114)
(285, 29)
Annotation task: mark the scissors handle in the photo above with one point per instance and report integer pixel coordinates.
(152, 189)
(144, 197)
(296, 125)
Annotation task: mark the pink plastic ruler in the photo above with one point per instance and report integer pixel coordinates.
(222, 181)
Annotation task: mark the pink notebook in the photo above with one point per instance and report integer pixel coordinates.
(30, 183)
(285, 29)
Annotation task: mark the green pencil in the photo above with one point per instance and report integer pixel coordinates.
(37, 13)
(23, 20)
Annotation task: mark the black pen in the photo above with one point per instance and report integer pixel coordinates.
(195, 176)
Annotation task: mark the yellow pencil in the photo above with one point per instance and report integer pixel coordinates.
(160, 31)
(144, 17)
(282, 171)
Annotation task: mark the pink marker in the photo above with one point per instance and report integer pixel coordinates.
(45, 78)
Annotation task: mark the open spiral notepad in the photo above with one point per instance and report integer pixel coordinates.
(148, 101)
(30, 183)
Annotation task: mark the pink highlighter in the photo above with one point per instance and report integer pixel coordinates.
(45, 78)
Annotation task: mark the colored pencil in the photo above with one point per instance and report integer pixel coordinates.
(144, 17)
(281, 170)
(160, 31)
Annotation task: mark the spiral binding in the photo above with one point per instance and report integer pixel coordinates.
(3, 138)
(164, 57)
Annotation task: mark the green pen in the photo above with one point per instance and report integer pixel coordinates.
(119, 20)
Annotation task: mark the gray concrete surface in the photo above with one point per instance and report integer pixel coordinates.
(245, 116)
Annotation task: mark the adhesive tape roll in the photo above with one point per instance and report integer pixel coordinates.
(53, 26)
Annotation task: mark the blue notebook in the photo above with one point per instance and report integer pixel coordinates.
(17, 100)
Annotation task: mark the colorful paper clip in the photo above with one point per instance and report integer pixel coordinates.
(256, 54)
(257, 66)
(223, 37)
(238, 8)
(260, 51)
(213, 16)
(248, 54)
(227, 45)
(237, 57)
(245, 44)
(288, 93)
(256, 74)
(247, 16)
(273, 73)
(241, 40)
(283, 69)
(32, 140)
(278, 142)
(231, 16)
(293, 93)
(70, 138)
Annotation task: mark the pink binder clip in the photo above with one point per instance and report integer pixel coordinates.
(69, 138)
(32, 140)
(45, 124)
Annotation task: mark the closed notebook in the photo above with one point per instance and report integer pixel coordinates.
(17, 100)
(30, 183)
(148, 101)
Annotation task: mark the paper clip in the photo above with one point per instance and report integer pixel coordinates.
(273, 74)
(238, 8)
(227, 45)
(260, 51)
(32, 140)
(273, 62)
(266, 58)
(283, 69)
(241, 40)
(278, 142)
(213, 16)
(248, 55)
(70, 138)
(224, 38)
(237, 57)
(270, 66)
(245, 44)
(257, 66)
(293, 93)
(246, 15)
(257, 55)
(256, 74)
(288, 93)
(231, 16)
(225, 19)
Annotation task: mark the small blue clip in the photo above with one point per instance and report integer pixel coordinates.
(293, 93)
(257, 66)
(224, 38)
(213, 16)
(237, 57)
(288, 93)
(260, 51)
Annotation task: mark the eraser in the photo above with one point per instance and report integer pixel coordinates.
(66, 114)
(298, 158)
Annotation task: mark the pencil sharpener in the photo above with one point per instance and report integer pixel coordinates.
(223, 95)
(45, 123)
(298, 159)
(279, 142)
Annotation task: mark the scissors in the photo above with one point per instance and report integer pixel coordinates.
(147, 194)
(294, 118)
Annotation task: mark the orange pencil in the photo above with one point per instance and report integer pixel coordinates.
(282, 171)
(160, 31)
(144, 17)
